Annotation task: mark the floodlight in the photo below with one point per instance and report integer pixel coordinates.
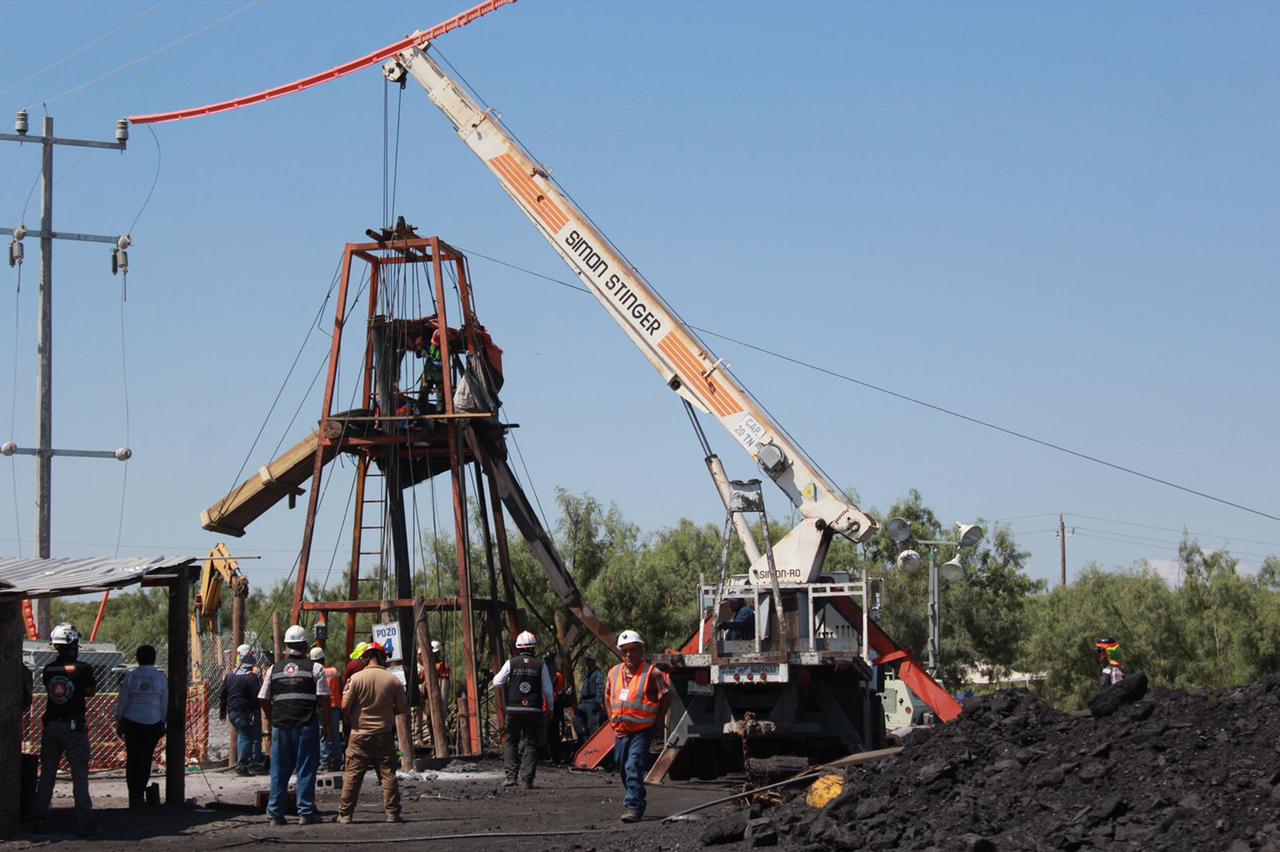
(952, 569)
(909, 561)
(899, 530)
(970, 534)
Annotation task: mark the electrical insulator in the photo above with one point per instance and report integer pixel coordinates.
(20, 125)
(15, 253)
(124, 454)
(121, 260)
(122, 130)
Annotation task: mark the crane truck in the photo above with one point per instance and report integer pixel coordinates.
(806, 680)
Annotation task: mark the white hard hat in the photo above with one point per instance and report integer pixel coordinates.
(296, 633)
(436, 647)
(243, 651)
(526, 640)
(629, 637)
(64, 634)
(317, 653)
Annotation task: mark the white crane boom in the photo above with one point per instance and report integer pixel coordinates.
(684, 362)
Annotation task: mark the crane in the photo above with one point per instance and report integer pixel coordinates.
(685, 363)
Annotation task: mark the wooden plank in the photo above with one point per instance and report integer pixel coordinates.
(269, 485)
(661, 766)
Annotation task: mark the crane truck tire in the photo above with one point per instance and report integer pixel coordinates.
(1111, 699)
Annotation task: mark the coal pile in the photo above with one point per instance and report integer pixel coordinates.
(1167, 770)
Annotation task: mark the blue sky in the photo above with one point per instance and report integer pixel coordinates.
(1059, 218)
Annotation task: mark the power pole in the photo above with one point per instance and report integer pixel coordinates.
(1062, 552)
(44, 451)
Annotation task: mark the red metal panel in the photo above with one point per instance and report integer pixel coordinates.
(416, 40)
(595, 750)
(909, 671)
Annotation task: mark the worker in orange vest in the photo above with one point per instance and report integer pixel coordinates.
(331, 745)
(637, 695)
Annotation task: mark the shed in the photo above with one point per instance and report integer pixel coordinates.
(50, 578)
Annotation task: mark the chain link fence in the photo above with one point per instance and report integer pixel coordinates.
(207, 738)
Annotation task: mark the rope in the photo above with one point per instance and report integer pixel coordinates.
(235, 482)
(150, 55)
(73, 54)
(426, 838)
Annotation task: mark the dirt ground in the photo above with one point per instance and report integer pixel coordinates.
(463, 799)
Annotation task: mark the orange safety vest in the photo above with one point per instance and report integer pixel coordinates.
(335, 686)
(636, 712)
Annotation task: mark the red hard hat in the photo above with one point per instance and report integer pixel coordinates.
(375, 646)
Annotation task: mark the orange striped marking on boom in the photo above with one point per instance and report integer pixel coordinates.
(522, 184)
(718, 398)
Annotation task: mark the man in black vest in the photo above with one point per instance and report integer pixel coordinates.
(292, 691)
(67, 683)
(525, 685)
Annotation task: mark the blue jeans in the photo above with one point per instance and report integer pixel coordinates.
(331, 746)
(631, 754)
(248, 738)
(294, 748)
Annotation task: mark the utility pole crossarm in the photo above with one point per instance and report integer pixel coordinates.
(62, 235)
(118, 145)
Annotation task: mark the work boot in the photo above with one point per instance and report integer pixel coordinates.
(308, 819)
(396, 818)
(243, 771)
(276, 821)
(344, 819)
(510, 782)
(630, 816)
(528, 785)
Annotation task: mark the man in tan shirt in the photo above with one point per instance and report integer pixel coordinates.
(374, 697)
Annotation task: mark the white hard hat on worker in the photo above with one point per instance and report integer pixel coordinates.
(64, 634)
(295, 634)
(526, 640)
(629, 637)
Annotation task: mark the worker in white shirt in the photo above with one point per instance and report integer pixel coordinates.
(140, 720)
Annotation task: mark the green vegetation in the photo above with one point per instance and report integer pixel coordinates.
(1215, 628)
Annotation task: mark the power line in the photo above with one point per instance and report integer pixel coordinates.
(1197, 535)
(73, 54)
(924, 403)
(150, 55)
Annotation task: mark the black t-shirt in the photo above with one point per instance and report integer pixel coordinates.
(67, 684)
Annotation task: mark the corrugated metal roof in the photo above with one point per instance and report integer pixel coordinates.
(36, 578)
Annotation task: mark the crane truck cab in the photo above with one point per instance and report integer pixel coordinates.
(801, 685)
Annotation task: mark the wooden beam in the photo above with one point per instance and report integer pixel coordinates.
(435, 705)
(452, 603)
(175, 747)
(11, 669)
